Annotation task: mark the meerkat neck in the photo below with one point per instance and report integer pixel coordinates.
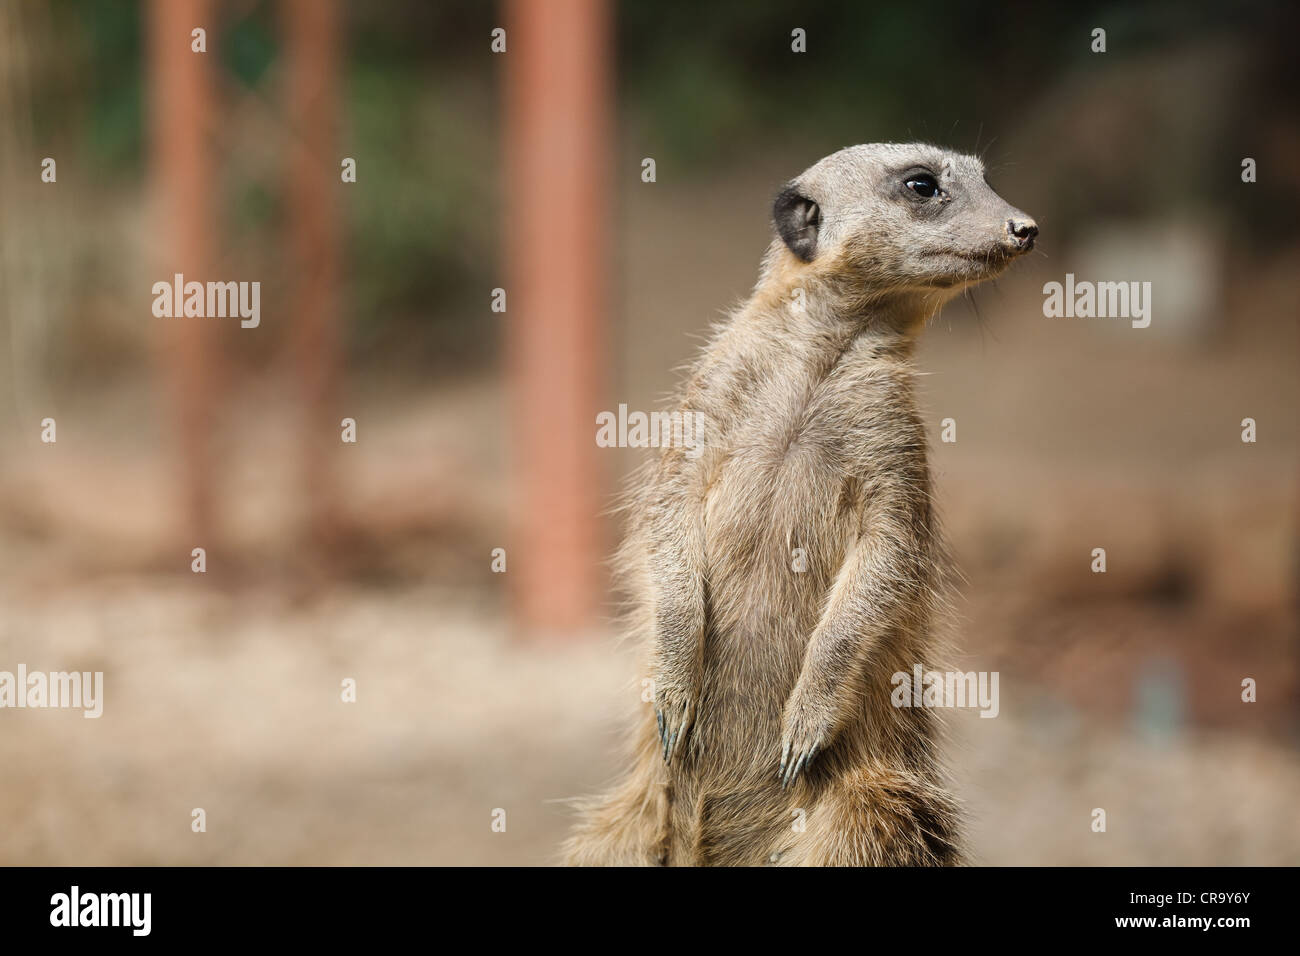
(821, 302)
(903, 313)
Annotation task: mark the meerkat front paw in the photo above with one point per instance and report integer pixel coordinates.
(675, 705)
(806, 730)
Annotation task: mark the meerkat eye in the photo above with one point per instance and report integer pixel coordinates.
(923, 184)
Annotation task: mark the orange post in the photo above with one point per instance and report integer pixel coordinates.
(181, 88)
(312, 38)
(557, 235)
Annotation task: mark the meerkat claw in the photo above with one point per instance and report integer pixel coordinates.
(791, 772)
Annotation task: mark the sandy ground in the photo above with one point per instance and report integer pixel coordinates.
(231, 702)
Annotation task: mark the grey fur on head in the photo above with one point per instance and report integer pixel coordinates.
(855, 205)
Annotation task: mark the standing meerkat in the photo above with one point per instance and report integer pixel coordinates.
(786, 566)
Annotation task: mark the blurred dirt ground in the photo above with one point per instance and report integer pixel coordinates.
(231, 704)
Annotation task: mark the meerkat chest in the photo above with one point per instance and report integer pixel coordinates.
(784, 486)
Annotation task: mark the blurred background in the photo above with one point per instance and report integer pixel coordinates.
(522, 170)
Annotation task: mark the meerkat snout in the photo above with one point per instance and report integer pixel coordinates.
(1021, 233)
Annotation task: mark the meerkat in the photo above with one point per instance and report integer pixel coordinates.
(782, 571)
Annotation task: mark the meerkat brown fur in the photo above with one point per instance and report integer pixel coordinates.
(773, 738)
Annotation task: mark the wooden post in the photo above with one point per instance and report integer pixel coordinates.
(312, 34)
(181, 88)
(557, 238)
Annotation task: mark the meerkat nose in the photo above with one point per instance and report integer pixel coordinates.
(1022, 232)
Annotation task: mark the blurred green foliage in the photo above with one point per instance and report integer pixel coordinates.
(701, 87)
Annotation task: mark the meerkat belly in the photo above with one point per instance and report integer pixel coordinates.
(777, 527)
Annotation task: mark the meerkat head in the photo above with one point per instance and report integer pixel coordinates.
(888, 217)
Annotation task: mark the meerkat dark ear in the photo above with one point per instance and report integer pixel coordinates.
(797, 221)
